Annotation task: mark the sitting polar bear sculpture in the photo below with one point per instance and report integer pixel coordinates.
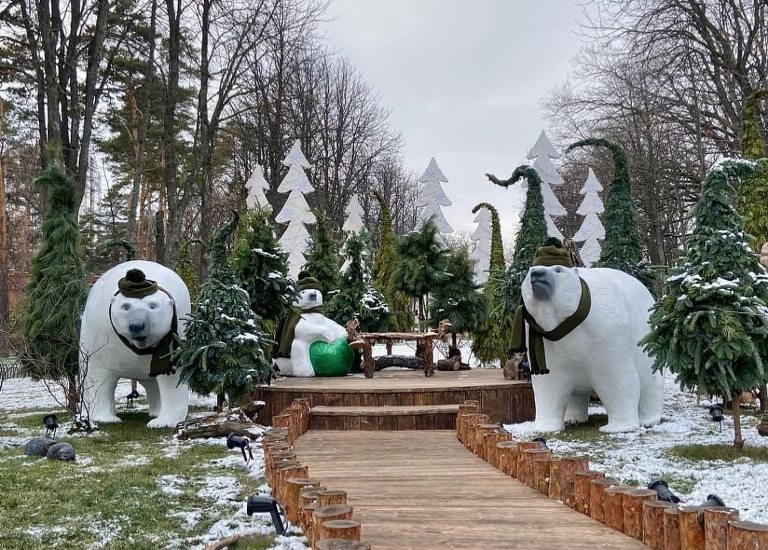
(127, 331)
(312, 344)
(600, 355)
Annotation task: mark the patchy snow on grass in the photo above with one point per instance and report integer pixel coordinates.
(643, 456)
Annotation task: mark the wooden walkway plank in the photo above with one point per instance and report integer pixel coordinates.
(423, 490)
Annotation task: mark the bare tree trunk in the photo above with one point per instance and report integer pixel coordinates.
(738, 441)
(763, 397)
(160, 237)
(4, 267)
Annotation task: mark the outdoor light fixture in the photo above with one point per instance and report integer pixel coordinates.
(716, 412)
(241, 443)
(712, 500)
(260, 504)
(130, 397)
(541, 441)
(50, 423)
(662, 490)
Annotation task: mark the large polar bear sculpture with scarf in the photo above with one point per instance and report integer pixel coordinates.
(583, 327)
(132, 318)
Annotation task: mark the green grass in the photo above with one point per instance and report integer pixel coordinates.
(728, 453)
(111, 497)
(587, 432)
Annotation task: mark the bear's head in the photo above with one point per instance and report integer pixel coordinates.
(309, 292)
(141, 312)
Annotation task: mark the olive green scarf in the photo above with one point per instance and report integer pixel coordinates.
(287, 329)
(536, 334)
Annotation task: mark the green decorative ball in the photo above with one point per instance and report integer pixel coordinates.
(331, 359)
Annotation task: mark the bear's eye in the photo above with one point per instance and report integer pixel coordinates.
(558, 269)
(152, 305)
(126, 307)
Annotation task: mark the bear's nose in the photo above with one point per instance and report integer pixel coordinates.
(136, 326)
(538, 274)
(313, 297)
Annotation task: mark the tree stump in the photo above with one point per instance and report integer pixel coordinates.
(328, 513)
(529, 455)
(402, 361)
(348, 529)
(541, 473)
(308, 495)
(484, 431)
(465, 409)
(691, 529)
(284, 473)
(473, 421)
(293, 487)
(522, 446)
(554, 492)
(568, 467)
(746, 535)
(341, 544)
(672, 528)
(597, 489)
(653, 523)
(613, 506)
(506, 451)
(327, 497)
(307, 519)
(633, 511)
(582, 486)
(273, 480)
(716, 521)
(495, 459)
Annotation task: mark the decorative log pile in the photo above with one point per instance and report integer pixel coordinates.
(634, 511)
(322, 513)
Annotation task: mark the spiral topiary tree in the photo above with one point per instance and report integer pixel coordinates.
(56, 293)
(223, 348)
(711, 327)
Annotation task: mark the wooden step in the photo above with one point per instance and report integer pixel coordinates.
(388, 417)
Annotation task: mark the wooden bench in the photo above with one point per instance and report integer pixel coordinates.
(388, 338)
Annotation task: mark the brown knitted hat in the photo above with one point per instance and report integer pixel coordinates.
(552, 253)
(136, 285)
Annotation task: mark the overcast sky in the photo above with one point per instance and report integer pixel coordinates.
(464, 80)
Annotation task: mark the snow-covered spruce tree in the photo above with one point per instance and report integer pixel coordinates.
(384, 263)
(752, 194)
(357, 298)
(531, 235)
(455, 296)
(711, 327)
(323, 257)
(488, 343)
(56, 293)
(421, 260)
(262, 266)
(621, 248)
(223, 348)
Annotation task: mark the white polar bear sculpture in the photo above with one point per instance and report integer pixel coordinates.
(127, 330)
(600, 355)
(319, 345)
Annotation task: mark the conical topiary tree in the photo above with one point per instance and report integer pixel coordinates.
(711, 327)
(223, 348)
(57, 290)
(384, 263)
(752, 194)
(357, 299)
(488, 342)
(621, 248)
(323, 257)
(455, 295)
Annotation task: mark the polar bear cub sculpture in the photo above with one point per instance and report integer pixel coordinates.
(120, 337)
(600, 355)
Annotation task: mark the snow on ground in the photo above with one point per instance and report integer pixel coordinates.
(643, 456)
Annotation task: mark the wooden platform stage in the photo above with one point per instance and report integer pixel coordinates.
(400, 399)
(424, 490)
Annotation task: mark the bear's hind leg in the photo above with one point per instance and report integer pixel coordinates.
(578, 408)
(651, 398)
(174, 401)
(153, 396)
(99, 395)
(620, 395)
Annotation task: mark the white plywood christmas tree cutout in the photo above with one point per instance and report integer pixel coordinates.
(543, 151)
(552, 229)
(591, 231)
(431, 198)
(481, 253)
(353, 224)
(295, 212)
(256, 186)
(543, 148)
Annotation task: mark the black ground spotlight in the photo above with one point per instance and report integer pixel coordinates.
(261, 504)
(51, 424)
(662, 490)
(541, 441)
(716, 412)
(241, 443)
(130, 398)
(712, 500)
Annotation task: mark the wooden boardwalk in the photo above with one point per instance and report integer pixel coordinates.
(423, 490)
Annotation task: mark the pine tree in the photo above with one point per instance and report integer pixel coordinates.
(752, 194)
(421, 261)
(295, 212)
(711, 327)
(223, 348)
(384, 263)
(621, 248)
(259, 262)
(357, 298)
(591, 231)
(57, 290)
(323, 257)
(455, 296)
(488, 343)
(431, 198)
(543, 151)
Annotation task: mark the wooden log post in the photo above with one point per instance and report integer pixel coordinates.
(541, 465)
(582, 486)
(348, 529)
(307, 495)
(293, 487)
(473, 420)
(464, 409)
(522, 446)
(369, 364)
(274, 458)
(284, 473)
(613, 506)
(490, 440)
(672, 528)
(429, 366)
(328, 513)
(328, 497)
(691, 529)
(341, 544)
(597, 489)
(633, 511)
(306, 410)
(283, 421)
(554, 492)
(746, 535)
(527, 475)
(307, 520)
(505, 451)
(274, 482)
(568, 467)
(485, 433)
(716, 520)
(653, 523)
(495, 459)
